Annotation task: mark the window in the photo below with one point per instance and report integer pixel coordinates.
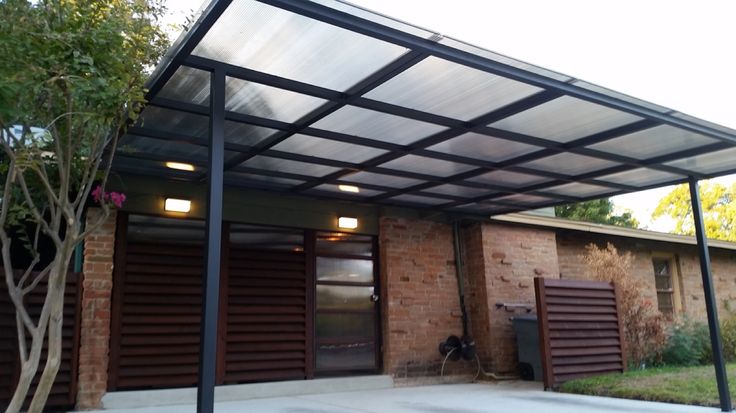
(666, 279)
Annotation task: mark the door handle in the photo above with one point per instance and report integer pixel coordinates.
(374, 298)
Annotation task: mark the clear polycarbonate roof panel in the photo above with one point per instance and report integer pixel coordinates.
(378, 126)
(390, 181)
(271, 40)
(328, 149)
(426, 166)
(577, 189)
(653, 142)
(174, 121)
(247, 179)
(267, 102)
(362, 192)
(565, 119)
(188, 85)
(483, 147)
(245, 134)
(445, 88)
(177, 151)
(508, 179)
(417, 199)
(640, 177)
(284, 165)
(569, 164)
(458, 190)
(711, 163)
(525, 199)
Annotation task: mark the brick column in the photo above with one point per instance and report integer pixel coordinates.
(95, 321)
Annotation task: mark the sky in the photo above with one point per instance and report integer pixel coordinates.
(675, 53)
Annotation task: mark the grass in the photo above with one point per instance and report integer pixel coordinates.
(682, 385)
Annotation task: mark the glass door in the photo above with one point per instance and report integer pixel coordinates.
(346, 314)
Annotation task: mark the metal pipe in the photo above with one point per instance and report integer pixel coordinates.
(710, 299)
(459, 275)
(213, 224)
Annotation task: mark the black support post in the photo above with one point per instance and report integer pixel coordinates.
(710, 299)
(213, 224)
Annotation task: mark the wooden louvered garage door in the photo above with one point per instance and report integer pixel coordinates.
(266, 316)
(157, 304)
(579, 327)
(157, 321)
(63, 391)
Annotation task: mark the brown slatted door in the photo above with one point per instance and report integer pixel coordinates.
(63, 391)
(159, 316)
(266, 316)
(581, 329)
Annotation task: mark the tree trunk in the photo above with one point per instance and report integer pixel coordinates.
(55, 300)
(27, 372)
(52, 321)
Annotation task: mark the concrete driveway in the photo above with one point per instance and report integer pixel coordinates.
(521, 397)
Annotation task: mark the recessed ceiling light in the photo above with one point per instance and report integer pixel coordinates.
(348, 188)
(180, 166)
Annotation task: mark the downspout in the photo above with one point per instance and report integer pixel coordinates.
(453, 348)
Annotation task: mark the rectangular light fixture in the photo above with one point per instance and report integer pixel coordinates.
(347, 222)
(349, 188)
(180, 166)
(177, 205)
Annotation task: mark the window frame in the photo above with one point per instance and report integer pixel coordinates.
(675, 274)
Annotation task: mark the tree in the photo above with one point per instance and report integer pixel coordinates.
(644, 332)
(71, 78)
(599, 211)
(719, 210)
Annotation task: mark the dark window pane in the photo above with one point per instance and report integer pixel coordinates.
(663, 282)
(349, 356)
(341, 243)
(665, 302)
(344, 326)
(143, 228)
(661, 267)
(344, 298)
(340, 269)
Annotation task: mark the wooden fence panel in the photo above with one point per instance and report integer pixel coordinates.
(63, 392)
(580, 332)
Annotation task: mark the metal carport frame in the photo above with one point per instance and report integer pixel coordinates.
(526, 138)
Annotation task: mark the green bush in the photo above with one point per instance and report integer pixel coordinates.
(688, 344)
(728, 335)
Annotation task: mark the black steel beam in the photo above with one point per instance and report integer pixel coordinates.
(185, 45)
(213, 227)
(711, 306)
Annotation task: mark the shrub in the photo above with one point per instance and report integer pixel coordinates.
(644, 331)
(688, 344)
(728, 335)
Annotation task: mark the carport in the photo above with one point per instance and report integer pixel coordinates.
(312, 98)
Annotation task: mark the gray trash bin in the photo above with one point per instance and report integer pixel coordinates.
(527, 341)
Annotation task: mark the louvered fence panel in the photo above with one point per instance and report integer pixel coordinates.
(160, 310)
(266, 316)
(580, 331)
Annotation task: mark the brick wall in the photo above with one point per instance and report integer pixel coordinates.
(571, 246)
(95, 319)
(512, 257)
(421, 305)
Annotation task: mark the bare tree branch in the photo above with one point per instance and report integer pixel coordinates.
(40, 276)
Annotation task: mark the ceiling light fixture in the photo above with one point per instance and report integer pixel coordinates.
(349, 188)
(180, 166)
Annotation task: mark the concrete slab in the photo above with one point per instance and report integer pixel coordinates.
(452, 398)
(152, 398)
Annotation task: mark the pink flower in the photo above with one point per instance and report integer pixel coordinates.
(98, 194)
(101, 196)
